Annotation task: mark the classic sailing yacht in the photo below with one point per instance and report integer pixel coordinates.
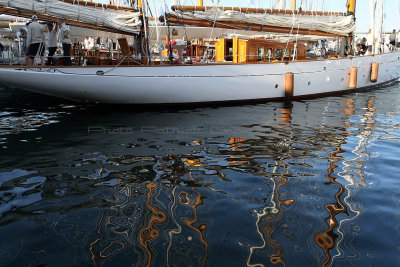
(239, 68)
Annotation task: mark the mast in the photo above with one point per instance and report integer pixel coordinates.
(293, 4)
(351, 10)
(200, 3)
(351, 7)
(379, 25)
(144, 32)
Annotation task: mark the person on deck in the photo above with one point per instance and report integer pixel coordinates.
(35, 40)
(64, 36)
(22, 47)
(363, 46)
(357, 50)
(392, 40)
(52, 43)
(86, 43)
(91, 42)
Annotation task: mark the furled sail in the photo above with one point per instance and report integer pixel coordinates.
(332, 24)
(120, 20)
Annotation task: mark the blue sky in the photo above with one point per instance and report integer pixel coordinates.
(392, 8)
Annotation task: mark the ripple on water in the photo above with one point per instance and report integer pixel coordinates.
(298, 184)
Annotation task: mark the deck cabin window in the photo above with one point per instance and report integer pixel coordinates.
(278, 53)
(260, 54)
(270, 54)
(229, 50)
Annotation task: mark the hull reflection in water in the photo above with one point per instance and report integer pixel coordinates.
(280, 184)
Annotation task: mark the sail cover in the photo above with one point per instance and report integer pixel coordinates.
(123, 21)
(340, 25)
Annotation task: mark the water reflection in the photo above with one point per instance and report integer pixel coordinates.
(353, 173)
(327, 239)
(283, 184)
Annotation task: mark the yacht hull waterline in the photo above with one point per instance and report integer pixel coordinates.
(180, 84)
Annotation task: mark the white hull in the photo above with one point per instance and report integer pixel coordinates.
(201, 83)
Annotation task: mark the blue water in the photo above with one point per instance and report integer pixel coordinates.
(308, 183)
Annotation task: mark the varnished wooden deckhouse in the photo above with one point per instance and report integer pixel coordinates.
(257, 50)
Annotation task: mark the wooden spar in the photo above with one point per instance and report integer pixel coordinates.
(26, 14)
(139, 4)
(351, 7)
(249, 27)
(200, 3)
(106, 6)
(259, 10)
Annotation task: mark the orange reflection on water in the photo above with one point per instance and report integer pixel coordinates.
(235, 146)
(286, 115)
(350, 107)
(234, 143)
(149, 232)
(326, 240)
(198, 201)
(371, 113)
(193, 162)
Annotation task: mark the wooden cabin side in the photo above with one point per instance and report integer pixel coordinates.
(256, 50)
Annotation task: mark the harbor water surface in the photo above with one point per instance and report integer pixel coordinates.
(305, 183)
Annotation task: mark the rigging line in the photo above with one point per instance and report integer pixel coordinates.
(297, 36)
(189, 52)
(166, 21)
(41, 46)
(108, 71)
(158, 31)
(290, 33)
(147, 4)
(146, 34)
(212, 30)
